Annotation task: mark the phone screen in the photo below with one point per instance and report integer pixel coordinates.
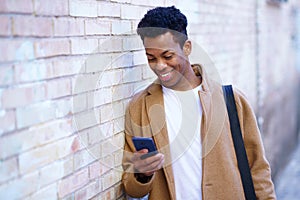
(145, 143)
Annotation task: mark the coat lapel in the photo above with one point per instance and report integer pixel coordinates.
(213, 111)
(156, 112)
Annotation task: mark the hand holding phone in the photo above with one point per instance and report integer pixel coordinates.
(146, 163)
(145, 143)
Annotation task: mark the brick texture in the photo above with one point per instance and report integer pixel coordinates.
(32, 26)
(51, 7)
(5, 27)
(68, 69)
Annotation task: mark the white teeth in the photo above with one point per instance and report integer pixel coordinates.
(164, 75)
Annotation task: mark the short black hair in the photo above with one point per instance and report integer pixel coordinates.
(160, 20)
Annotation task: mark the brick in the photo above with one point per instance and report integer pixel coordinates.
(106, 130)
(8, 170)
(84, 83)
(19, 142)
(99, 97)
(86, 120)
(132, 12)
(33, 71)
(118, 141)
(106, 113)
(68, 27)
(6, 75)
(106, 9)
(100, 132)
(119, 193)
(88, 191)
(49, 192)
(121, 27)
(63, 107)
(83, 8)
(110, 78)
(108, 148)
(122, 60)
(132, 43)
(51, 7)
(142, 2)
(117, 109)
(117, 174)
(108, 194)
(79, 103)
(16, 50)
(132, 74)
(122, 92)
(32, 160)
(148, 73)
(23, 95)
(86, 156)
(107, 162)
(5, 25)
(67, 67)
(68, 165)
(98, 62)
(97, 27)
(15, 6)
(170, 2)
(122, 1)
(7, 121)
(110, 44)
(53, 47)
(42, 112)
(58, 88)
(73, 182)
(25, 185)
(108, 181)
(119, 124)
(32, 26)
(84, 46)
(139, 58)
(118, 156)
(93, 135)
(35, 158)
(51, 173)
(9, 146)
(96, 170)
(81, 141)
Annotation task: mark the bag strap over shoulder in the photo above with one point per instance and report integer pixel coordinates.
(238, 142)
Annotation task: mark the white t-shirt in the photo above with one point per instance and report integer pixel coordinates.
(183, 117)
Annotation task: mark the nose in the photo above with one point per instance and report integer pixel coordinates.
(160, 65)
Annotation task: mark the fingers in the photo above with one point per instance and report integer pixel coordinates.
(147, 165)
(159, 166)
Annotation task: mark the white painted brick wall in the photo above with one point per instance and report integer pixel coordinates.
(69, 68)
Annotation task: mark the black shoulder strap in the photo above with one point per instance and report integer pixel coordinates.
(238, 142)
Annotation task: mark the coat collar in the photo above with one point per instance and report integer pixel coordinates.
(213, 111)
(212, 122)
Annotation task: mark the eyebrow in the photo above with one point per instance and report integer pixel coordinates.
(166, 51)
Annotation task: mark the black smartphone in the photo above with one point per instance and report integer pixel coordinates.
(145, 143)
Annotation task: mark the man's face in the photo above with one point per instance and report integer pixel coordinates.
(168, 60)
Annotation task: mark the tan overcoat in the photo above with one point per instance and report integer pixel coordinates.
(220, 175)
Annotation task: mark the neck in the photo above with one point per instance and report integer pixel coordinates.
(189, 83)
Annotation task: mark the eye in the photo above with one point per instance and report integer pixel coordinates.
(151, 58)
(168, 57)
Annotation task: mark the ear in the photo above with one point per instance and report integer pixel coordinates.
(187, 47)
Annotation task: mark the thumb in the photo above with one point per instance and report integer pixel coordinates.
(143, 151)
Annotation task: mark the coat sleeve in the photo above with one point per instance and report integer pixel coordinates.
(131, 185)
(259, 166)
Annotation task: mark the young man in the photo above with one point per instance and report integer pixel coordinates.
(185, 114)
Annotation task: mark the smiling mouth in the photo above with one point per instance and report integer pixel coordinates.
(165, 76)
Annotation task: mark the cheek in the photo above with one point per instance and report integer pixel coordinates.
(152, 66)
